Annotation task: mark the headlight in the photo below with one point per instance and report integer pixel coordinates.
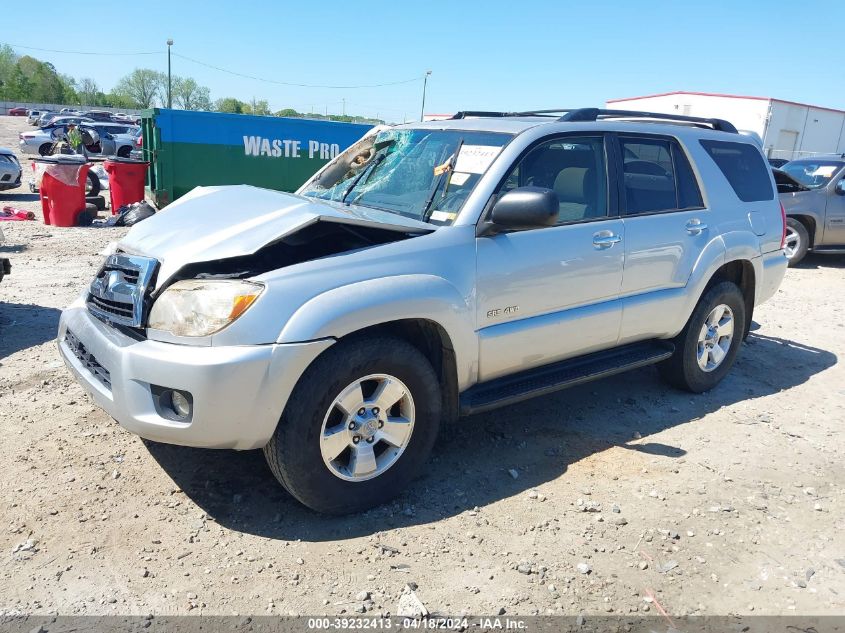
(198, 308)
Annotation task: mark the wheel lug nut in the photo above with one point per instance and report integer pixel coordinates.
(370, 440)
(355, 439)
(380, 424)
(362, 411)
(375, 410)
(351, 426)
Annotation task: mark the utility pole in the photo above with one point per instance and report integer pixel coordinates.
(425, 83)
(344, 106)
(169, 81)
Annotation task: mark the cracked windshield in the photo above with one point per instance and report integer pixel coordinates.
(422, 174)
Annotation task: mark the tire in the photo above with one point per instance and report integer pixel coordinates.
(45, 149)
(93, 188)
(296, 451)
(124, 151)
(99, 202)
(797, 241)
(683, 369)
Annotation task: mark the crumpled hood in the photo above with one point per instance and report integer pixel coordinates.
(212, 223)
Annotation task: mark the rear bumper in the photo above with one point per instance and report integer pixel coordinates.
(773, 266)
(238, 392)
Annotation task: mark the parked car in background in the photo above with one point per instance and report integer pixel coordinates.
(33, 116)
(340, 327)
(10, 170)
(777, 162)
(98, 115)
(137, 152)
(101, 139)
(17, 112)
(815, 208)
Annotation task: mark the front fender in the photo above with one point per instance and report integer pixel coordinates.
(356, 306)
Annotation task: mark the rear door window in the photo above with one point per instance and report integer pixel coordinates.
(657, 176)
(743, 167)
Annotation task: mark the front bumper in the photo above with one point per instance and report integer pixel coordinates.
(239, 392)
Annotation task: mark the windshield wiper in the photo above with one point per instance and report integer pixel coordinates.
(427, 210)
(376, 161)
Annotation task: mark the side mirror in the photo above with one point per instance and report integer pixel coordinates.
(526, 208)
(840, 187)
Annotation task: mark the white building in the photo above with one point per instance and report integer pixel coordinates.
(788, 129)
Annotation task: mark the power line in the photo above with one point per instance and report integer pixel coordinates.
(296, 85)
(100, 53)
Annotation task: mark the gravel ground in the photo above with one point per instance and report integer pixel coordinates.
(617, 497)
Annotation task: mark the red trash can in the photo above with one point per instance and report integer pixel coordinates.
(62, 189)
(126, 181)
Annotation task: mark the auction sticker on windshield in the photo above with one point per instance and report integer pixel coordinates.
(475, 159)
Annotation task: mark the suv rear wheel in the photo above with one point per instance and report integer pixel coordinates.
(706, 348)
(358, 427)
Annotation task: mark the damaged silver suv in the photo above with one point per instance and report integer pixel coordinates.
(432, 270)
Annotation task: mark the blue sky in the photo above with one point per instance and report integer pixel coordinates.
(483, 55)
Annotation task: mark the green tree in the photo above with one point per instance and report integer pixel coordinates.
(289, 112)
(260, 107)
(230, 105)
(189, 95)
(142, 87)
(89, 92)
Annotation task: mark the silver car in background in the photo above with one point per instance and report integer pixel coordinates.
(101, 139)
(10, 170)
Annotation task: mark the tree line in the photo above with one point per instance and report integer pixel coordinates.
(25, 78)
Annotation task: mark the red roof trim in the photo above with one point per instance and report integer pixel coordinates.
(716, 94)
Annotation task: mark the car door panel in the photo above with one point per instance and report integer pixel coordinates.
(834, 229)
(552, 293)
(547, 295)
(663, 240)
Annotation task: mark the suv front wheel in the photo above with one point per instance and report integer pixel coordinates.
(706, 348)
(358, 427)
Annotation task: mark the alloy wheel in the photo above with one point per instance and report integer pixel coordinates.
(715, 337)
(367, 427)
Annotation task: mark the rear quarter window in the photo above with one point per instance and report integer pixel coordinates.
(743, 167)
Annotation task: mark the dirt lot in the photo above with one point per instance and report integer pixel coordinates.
(629, 497)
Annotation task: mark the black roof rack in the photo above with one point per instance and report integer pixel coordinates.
(481, 113)
(573, 115)
(594, 114)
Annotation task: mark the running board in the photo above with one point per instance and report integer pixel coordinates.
(568, 373)
(828, 250)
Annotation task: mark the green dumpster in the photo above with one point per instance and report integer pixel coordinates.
(187, 149)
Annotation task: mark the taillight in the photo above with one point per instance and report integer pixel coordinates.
(783, 232)
(140, 141)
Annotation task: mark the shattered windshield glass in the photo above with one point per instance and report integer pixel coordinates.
(422, 174)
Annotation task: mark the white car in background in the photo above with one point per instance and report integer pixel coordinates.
(32, 116)
(10, 170)
(101, 139)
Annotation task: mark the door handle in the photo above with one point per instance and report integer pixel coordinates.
(605, 239)
(696, 227)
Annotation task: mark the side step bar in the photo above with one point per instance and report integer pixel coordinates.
(568, 373)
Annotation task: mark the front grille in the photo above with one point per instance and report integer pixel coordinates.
(87, 359)
(118, 291)
(123, 310)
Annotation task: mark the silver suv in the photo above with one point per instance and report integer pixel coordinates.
(432, 270)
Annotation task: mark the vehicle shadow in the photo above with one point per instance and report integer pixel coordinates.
(25, 325)
(815, 261)
(471, 463)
